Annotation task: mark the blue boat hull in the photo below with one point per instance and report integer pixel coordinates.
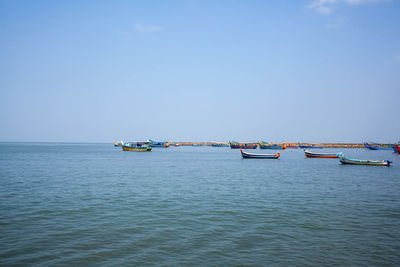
(376, 147)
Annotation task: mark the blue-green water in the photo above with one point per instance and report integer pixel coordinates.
(93, 204)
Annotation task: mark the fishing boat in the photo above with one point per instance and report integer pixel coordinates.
(376, 146)
(319, 155)
(157, 144)
(136, 147)
(345, 160)
(247, 155)
(120, 143)
(291, 145)
(266, 145)
(309, 146)
(219, 144)
(236, 145)
(396, 148)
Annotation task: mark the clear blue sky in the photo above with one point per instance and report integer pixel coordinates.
(98, 71)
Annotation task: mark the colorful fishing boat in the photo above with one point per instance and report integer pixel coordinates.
(396, 148)
(157, 144)
(291, 145)
(236, 145)
(136, 147)
(345, 160)
(376, 146)
(319, 155)
(247, 155)
(120, 143)
(309, 146)
(266, 145)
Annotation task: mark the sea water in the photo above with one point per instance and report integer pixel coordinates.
(94, 204)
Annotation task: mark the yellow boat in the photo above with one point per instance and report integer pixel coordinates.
(136, 148)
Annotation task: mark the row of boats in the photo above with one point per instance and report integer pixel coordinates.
(342, 158)
(267, 145)
(232, 144)
(149, 144)
(140, 146)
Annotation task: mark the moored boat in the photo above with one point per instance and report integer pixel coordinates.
(376, 146)
(157, 144)
(120, 143)
(396, 148)
(247, 155)
(319, 155)
(309, 146)
(137, 147)
(346, 160)
(219, 144)
(237, 145)
(266, 145)
(291, 145)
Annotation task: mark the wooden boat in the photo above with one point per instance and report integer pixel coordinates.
(291, 145)
(236, 145)
(319, 155)
(266, 145)
(137, 148)
(116, 144)
(380, 144)
(219, 144)
(396, 148)
(345, 160)
(247, 155)
(376, 146)
(309, 146)
(157, 144)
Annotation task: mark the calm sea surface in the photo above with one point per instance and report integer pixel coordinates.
(93, 204)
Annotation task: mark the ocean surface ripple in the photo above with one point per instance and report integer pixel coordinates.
(93, 204)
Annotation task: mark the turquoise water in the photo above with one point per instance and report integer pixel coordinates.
(93, 204)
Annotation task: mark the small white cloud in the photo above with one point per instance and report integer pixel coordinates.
(323, 6)
(327, 7)
(148, 28)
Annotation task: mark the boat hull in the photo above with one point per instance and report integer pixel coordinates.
(307, 146)
(157, 144)
(265, 145)
(219, 145)
(136, 149)
(246, 155)
(345, 160)
(243, 146)
(374, 146)
(396, 148)
(319, 155)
